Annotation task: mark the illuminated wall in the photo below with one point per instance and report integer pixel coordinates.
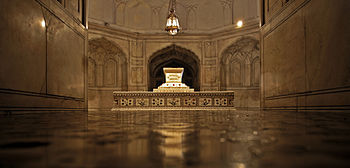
(42, 55)
(305, 55)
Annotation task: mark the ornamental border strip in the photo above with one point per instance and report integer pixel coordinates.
(171, 100)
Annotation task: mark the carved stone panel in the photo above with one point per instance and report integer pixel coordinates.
(110, 73)
(205, 102)
(137, 74)
(220, 102)
(209, 49)
(127, 102)
(240, 64)
(157, 101)
(107, 64)
(189, 101)
(209, 75)
(136, 48)
(142, 102)
(173, 102)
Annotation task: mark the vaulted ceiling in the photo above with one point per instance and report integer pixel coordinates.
(194, 15)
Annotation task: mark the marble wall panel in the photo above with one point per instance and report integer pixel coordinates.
(284, 66)
(100, 98)
(42, 63)
(209, 75)
(137, 75)
(102, 9)
(327, 52)
(247, 98)
(317, 55)
(209, 49)
(136, 48)
(65, 60)
(23, 46)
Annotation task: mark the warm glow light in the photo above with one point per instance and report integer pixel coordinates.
(239, 23)
(43, 24)
(172, 23)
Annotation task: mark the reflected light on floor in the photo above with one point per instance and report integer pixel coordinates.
(172, 145)
(239, 165)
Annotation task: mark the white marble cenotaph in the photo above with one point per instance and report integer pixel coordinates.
(173, 81)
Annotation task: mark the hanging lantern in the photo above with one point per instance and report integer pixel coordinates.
(172, 23)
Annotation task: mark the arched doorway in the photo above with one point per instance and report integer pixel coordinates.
(174, 56)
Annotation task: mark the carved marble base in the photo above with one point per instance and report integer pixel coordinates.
(173, 101)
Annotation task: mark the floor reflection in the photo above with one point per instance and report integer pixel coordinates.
(206, 139)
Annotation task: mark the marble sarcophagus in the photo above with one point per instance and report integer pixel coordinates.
(173, 95)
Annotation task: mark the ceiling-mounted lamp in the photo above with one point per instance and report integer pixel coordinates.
(172, 22)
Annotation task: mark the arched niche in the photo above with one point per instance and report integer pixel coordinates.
(240, 64)
(91, 72)
(107, 65)
(174, 56)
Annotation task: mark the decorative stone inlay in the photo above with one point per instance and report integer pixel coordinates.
(142, 102)
(127, 102)
(173, 100)
(220, 102)
(205, 101)
(157, 101)
(190, 101)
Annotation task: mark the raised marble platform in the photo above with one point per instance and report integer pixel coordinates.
(218, 100)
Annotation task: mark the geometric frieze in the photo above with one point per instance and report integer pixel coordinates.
(142, 102)
(220, 102)
(173, 100)
(126, 102)
(188, 101)
(205, 101)
(157, 101)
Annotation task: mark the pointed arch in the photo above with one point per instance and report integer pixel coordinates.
(174, 56)
(240, 64)
(110, 63)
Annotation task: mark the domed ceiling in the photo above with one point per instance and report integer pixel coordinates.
(150, 15)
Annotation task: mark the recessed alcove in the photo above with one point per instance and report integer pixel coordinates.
(174, 56)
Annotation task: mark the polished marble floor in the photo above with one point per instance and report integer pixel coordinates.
(208, 139)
